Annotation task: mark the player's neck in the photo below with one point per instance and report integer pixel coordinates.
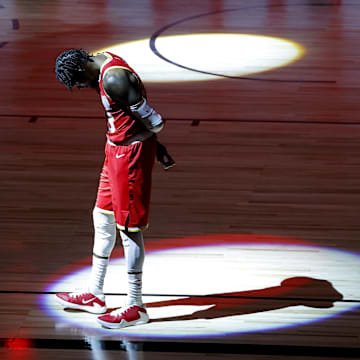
(93, 69)
(97, 61)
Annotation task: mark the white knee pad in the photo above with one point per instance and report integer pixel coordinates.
(133, 244)
(105, 233)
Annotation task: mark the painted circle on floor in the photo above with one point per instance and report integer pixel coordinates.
(216, 285)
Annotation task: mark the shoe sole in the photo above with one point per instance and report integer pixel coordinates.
(123, 323)
(92, 309)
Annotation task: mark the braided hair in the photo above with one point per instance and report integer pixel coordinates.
(68, 65)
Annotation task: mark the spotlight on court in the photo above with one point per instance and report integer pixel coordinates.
(222, 284)
(197, 57)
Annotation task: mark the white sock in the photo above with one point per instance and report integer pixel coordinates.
(104, 241)
(135, 289)
(133, 244)
(97, 276)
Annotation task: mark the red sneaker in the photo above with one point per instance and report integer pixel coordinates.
(120, 318)
(83, 301)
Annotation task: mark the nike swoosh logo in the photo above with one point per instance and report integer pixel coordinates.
(119, 156)
(87, 301)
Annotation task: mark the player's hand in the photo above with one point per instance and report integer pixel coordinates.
(163, 156)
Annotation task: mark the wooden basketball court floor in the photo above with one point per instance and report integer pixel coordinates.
(253, 249)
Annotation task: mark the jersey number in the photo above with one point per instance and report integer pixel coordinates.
(110, 118)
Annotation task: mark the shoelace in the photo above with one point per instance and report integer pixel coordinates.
(78, 295)
(121, 311)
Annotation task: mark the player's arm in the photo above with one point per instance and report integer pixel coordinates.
(122, 86)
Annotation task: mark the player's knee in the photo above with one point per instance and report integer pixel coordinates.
(105, 233)
(133, 244)
(135, 238)
(101, 218)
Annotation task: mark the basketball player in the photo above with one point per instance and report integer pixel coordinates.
(123, 196)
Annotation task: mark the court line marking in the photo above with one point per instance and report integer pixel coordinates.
(34, 118)
(192, 296)
(157, 33)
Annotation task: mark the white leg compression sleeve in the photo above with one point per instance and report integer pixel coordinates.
(133, 244)
(104, 241)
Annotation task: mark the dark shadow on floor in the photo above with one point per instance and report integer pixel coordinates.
(291, 292)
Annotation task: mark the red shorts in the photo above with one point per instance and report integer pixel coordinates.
(125, 184)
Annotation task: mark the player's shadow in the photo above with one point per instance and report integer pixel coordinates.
(294, 291)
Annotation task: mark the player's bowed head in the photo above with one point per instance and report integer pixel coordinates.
(76, 67)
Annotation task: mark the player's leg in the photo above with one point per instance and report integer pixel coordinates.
(104, 241)
(134, 312)
(92, 299)
(133, 244)
(132, 215)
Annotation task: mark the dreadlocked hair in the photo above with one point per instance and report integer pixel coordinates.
(68, 64)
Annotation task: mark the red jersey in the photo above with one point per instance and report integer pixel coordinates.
(121, 123)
